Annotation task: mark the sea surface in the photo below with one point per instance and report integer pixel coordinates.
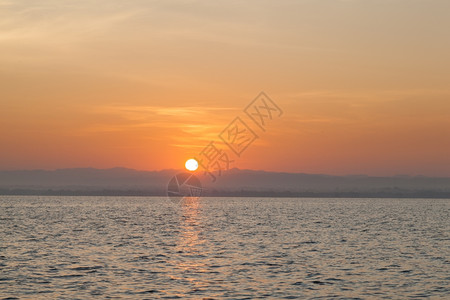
(223, 248)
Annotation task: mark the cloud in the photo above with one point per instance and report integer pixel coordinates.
(178, 125)
(139, 111)
(47, 30)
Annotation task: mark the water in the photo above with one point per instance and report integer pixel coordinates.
(236, 248)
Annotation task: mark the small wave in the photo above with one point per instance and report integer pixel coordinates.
(86, 268)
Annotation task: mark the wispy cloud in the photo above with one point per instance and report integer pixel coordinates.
(142, 111)
(179, 126)
(50, 29)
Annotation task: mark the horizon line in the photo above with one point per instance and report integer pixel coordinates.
(224, 171)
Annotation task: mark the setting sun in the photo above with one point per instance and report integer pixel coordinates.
(191, 164)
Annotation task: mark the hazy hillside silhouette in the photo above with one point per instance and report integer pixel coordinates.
(235, 182)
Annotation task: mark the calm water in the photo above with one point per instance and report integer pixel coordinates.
(236, 248)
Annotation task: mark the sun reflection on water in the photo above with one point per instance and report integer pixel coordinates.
(192, 256)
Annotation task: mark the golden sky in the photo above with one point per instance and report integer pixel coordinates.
(364, 85)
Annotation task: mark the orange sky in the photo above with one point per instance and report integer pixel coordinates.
(364, 85)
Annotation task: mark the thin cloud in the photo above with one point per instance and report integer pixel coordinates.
(158, 110)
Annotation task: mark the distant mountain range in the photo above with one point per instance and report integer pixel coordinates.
(234, 182)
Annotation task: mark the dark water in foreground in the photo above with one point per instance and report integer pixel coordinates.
(236, 248)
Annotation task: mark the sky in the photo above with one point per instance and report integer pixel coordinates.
(363, 85)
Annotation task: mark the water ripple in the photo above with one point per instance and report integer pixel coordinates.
(216, 248)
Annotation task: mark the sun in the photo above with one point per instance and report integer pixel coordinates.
(191, 164)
